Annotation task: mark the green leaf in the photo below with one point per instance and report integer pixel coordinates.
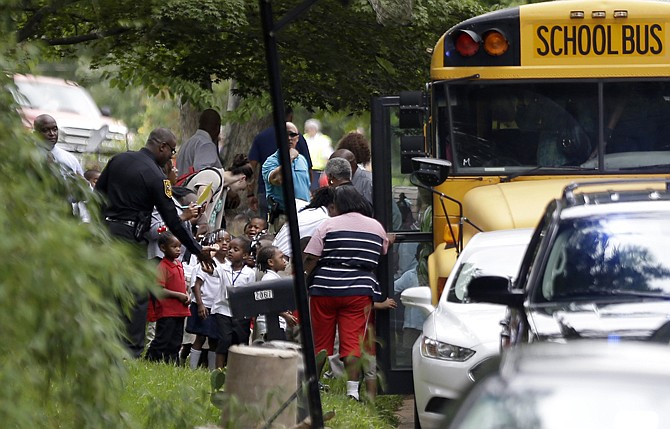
(217, 379)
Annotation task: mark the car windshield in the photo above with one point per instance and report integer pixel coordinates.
(532, 127)
(610, 257)
(501, 261)
(570, 403)
(54, 97)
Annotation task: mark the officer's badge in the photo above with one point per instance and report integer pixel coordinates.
(167, 187)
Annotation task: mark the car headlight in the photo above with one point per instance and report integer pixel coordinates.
(438, 350)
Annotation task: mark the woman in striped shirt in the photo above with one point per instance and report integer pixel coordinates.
(340, 261)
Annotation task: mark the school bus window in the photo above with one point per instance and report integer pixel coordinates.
(516, 125)
(636, 116)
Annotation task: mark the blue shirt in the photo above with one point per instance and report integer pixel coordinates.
(265, 144)
(301, 179)
(413, 317)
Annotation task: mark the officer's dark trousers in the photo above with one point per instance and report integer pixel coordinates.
(135, 321)
(136, 324)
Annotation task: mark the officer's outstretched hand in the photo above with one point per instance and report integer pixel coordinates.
(206, 260)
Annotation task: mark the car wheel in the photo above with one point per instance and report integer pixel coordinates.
(417, 423)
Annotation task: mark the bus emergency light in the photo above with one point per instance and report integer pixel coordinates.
(467, 43)
(495, 43)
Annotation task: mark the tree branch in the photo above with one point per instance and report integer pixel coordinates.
(86, 37)
(30, 25)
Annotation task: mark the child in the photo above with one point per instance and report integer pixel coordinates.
(92, 177)
(173, 307)
(231, 330)
(255, 227)
(369, 343)
(271, 260)
(205, 290)
(254, 230)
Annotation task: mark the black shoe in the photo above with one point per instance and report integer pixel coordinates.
(354, 398)
(323, 387)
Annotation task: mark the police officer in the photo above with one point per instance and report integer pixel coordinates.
(132, 184)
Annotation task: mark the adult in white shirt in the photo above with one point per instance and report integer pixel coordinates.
(46, 126)
(320, 147)
(310, 217)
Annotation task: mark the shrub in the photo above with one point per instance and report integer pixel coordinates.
(60, 282)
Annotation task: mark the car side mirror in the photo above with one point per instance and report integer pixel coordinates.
(418, 297)
(494, 290)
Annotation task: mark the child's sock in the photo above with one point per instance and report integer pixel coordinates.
(352, 389)
(194, 358)
(211, 360)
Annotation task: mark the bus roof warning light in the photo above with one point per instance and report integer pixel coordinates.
(467, 43)
(495, 43)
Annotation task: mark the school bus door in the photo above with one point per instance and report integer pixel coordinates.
(403, 209)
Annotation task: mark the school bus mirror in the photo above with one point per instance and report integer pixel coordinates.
(411, 111)
(431, 171)
(410, 147)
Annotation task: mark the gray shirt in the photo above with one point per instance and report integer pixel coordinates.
(198, 152)
(362, 181)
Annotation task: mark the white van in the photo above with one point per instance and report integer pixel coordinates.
(83, 128)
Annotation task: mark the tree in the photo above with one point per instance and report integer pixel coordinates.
(334, 57)
(61, 283)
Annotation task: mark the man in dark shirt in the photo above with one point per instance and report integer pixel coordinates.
(132, 184)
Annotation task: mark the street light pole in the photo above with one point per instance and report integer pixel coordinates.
(281, 136)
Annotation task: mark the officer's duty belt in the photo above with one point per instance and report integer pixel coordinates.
(130, 223)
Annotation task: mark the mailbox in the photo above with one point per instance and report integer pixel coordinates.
(269, 298)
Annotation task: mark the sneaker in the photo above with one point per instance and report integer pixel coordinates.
(323, 387)
(354, 398)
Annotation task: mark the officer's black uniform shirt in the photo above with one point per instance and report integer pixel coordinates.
(133, 183)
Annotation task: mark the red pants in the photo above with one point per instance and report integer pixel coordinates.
(350, 314)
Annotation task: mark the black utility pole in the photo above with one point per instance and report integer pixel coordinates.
(272, 56)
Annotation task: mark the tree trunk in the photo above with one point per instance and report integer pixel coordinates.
(188, 121)
(236, 137)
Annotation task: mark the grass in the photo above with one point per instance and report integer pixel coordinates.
(163, 396)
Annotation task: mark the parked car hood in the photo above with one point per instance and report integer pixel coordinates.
(467, 325)
(635, 321)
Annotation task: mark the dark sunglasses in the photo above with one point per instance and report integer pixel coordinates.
(173, 150)
(293, 135)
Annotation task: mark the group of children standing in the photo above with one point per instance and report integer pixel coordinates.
(200, 297)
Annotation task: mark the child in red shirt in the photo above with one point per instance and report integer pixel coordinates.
(172, 308)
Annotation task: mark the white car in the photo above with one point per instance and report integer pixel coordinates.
(460, 337)
(83, 127)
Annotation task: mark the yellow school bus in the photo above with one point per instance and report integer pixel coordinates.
(522, 102)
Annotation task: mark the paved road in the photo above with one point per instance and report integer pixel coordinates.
(406, 413)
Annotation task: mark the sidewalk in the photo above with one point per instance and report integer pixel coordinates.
(406, 413)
